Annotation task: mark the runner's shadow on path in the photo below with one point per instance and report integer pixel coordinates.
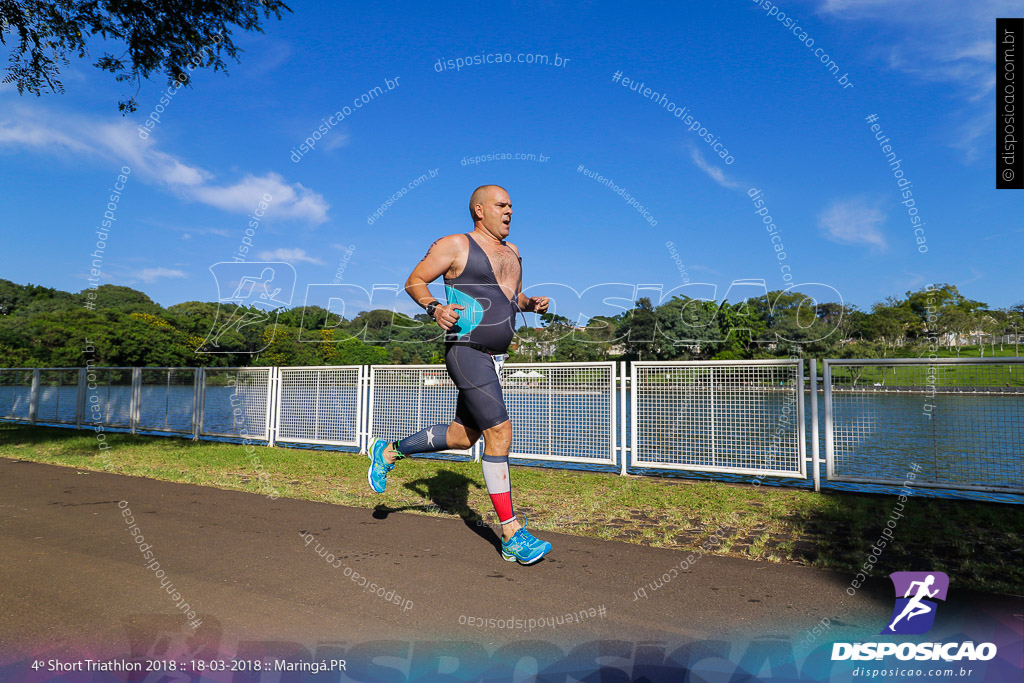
(448, 493)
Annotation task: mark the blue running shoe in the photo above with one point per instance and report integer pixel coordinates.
(524, 547)
(377, 475)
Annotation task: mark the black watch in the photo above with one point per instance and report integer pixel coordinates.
(431, 307)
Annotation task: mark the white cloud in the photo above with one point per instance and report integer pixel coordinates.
(189, 231)
(272, 54)
(853, 222)
(936, 41)
(338, 138)
(1001, 235)
(104, 275)
(289, 256)
(714, 172)
(244, 196)
(862, 6)
(976, 275)
(153, 274)
(26, 133)
(37, 129)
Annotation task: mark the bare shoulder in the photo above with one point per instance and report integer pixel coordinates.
(456, 251)
(449, 245)
(512, 246)
(452, 244)
(459, 240)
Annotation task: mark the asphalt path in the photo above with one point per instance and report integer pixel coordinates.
(283, 575)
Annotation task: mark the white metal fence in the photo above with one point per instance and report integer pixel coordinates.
(236, 402)
(58, 395)
(19, 389)
(168, 399)
(562, 412)
(111, 397)
(407, 398)
(228, 402)
(743, 417)
(955, 423)
(960, 422)
(320, 405)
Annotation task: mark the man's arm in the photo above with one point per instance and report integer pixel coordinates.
(439, 259)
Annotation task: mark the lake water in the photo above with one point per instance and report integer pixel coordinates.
(969, 439)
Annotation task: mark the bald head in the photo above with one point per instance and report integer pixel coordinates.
(491, 210)
(482, 196)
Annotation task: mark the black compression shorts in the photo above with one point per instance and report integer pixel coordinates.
(480, 404)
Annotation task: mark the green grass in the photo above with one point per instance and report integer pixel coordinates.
(996, 376)
(831, 530)
(972, 352)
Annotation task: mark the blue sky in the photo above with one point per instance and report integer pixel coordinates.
(926, 69)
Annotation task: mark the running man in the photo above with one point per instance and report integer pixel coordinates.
(915, 607)
(483, 284)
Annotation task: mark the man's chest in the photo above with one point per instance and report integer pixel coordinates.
(505, 265)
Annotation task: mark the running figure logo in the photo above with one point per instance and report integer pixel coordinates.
(258, 292)
(914, 612)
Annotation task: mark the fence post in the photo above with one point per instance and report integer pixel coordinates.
(633, 404)
(827, 381)
(613, 413)
(272, 402)
(551, 401)
(714, 439)
(196, 382)
(201, 409)
(623, 446)
(419, 400)
(364, 407)
(369, 408)
(801, 418)
(80, 398)
(136, 397)
(360, 410)
(33, 397)
(815, 455)
(316, 403)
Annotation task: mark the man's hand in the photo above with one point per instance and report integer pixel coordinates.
(537, 304)
(446, 316)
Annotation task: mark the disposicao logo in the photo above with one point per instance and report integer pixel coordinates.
(917, 594)
(914, 612)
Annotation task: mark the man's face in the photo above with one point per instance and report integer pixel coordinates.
(497, 213)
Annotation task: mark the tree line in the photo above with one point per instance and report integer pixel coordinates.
(45, 327)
